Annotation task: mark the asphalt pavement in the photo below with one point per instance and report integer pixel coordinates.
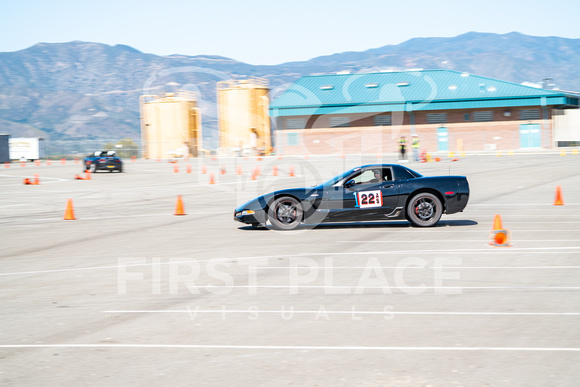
(130, 294)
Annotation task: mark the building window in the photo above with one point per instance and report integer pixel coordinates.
(530, 114)
(295, 123)
(292, 139)
(339, 122)
(466, 117)
(383, 120)
(483, 116)
(436, 118)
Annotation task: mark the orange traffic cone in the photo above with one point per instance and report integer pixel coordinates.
(63, 161)
(88, 175)
(291, 174)
(559, 201)
(69, 213)
(239, 170)
(36, 179)
(203, 169)
(259, 158)
(188, 168)
(7, 165)
(175, 168)
(280, 157)
(499, 236)
(27, 181)
(22, 164)
(274, 171)
(179, 210)
(37, 163)
(211, 178)
(48, 162)
(223, 170)
(497, 224)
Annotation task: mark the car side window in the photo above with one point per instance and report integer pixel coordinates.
(387, 174)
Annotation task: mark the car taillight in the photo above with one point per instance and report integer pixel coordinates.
(102, 160)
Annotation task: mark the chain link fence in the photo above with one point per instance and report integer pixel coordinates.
(57, 149)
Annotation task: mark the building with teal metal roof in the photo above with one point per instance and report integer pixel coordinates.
(466, 111)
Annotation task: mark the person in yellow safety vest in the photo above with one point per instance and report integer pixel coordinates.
(415, 145)
(402, 147)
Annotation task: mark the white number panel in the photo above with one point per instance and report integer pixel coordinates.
(367, 199)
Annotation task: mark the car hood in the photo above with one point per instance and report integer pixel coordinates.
(261, 202)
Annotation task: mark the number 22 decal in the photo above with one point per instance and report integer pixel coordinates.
(369, 199)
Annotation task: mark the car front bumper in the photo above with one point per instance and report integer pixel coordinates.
(242, 216)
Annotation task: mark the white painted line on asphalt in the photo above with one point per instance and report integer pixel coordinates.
(419, 268)
(418, 287)
(43, 180)
(459, 229)
(350, 312)
(291, 347)
(459, 241)
(113, 217)
(542, 250)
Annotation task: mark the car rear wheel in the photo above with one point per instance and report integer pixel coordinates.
(285, 213)
(424, 210)
(93, 168)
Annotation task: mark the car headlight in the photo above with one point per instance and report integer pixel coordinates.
(245, 212)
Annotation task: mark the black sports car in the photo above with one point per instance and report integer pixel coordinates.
(370, 192)
(103, 161)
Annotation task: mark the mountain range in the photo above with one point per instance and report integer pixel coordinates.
(82, 90)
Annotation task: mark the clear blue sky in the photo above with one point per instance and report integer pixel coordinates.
(272, 32)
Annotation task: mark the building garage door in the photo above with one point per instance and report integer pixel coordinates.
(530, 136)
(442, 139)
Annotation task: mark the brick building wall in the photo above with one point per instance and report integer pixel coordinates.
(363, 136)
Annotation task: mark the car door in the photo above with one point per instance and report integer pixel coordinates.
(362, 196)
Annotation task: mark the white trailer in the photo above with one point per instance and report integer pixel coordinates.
(23, 148)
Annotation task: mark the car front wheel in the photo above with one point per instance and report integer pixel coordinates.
(424, 210)
(285, 213)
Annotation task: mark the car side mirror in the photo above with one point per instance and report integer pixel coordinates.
(349, 184)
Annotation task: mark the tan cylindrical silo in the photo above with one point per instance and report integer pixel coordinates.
(170, 127)
(244, 122)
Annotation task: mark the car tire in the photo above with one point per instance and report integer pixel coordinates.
(424, 210)
(285, 213)
(93, 168)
